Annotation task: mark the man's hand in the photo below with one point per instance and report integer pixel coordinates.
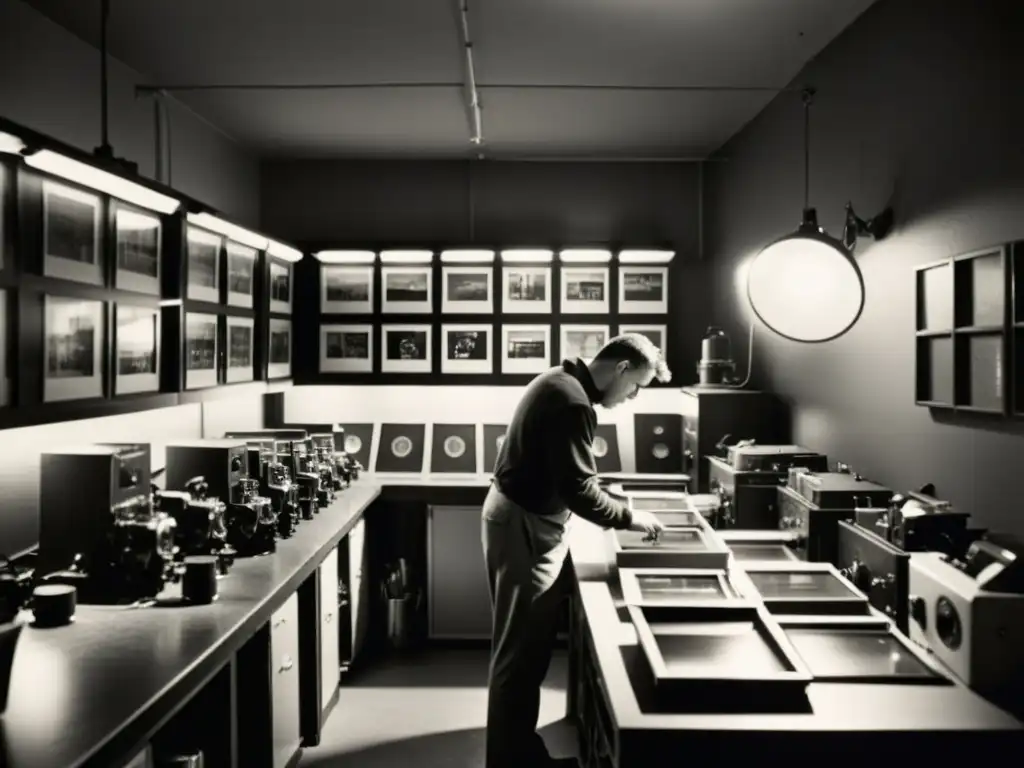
(645, 522)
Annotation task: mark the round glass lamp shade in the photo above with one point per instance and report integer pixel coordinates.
(806, 287)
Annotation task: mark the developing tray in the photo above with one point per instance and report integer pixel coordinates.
(676, 586)
(803, 589)
(677, 547)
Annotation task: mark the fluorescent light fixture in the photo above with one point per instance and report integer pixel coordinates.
(229, 230)
(283, 252)
(102, 181)
(467, 256)
(527, 255)
(10, 144)
(585, 255)
(406, 257)
(646, 257)
(345, 257)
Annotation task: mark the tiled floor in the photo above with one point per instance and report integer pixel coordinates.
(427, 710)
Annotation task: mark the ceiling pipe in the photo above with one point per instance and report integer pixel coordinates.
(474, 95)
(147, 89)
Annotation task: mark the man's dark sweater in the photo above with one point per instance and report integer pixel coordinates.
(546, 464)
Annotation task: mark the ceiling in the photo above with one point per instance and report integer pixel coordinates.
(631, 47)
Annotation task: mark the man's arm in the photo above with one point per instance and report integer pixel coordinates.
(571, 458)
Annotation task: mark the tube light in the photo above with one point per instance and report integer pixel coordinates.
(467, 256)
(229, 230)
(406, 257)
(646, 257)
(585, 255)
(283, 252)
(102, 181)
(527, 255)
(10, 144)
(345, 257)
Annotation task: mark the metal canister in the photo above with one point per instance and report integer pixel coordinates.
(715, 347)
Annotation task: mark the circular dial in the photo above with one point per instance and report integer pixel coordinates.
(401, 446)
(660, 451)
(600, 447)
(947, 624)
(454, 446)
(659, 430)
(353, 444)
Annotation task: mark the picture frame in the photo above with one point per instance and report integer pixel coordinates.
(658, 334)
(582, 341)
(136, 349)
(346, 348)
(526, 290)
(346, 289)
(406, 348)
(202, 275)
(74, 348)
(643, 290)
(240, 344)
(241, 268)
(406, 290)
(281, 288)
(5, 380)
(71, 234)
(584, 290)
(525, 348)
(279, 349)
(467, 290)
(138, 242)
(467, 348)
(201, 350)
(3, 214)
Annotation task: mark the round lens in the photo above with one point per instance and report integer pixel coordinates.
(165, 537)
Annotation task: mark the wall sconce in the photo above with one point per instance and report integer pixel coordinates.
(229, 230)
(467, 256)
(585, 256)
(283, 252)
(876, 228)
(528, 255)
(637, 256)
(345, 257)
(406, 257)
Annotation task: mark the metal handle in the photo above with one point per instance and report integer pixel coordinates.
(329, 617)
(286, 664)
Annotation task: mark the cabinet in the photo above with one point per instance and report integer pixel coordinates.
(352, 594)
(458, 602)
(330, 651)
(284, 682)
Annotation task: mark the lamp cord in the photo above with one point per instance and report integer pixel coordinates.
(807, 96)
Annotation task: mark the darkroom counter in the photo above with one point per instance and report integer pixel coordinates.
(97, 690)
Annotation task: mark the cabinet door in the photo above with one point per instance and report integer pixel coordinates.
(330, 655)
(284, 681)
(458, 601)
(358, 586)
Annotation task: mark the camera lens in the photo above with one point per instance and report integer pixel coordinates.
(165, 537)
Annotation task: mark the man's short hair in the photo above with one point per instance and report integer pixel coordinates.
(637, 350)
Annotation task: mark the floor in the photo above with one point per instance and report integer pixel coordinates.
(427, 710)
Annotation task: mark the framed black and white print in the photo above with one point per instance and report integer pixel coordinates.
(240, 342)
(526, 290)
(279, 353)
(200, 350)
(656, 333)
(138, 237)
(71, 234)
(407, 290)
(467, 348)
(346, 289)
(74, 349)
(241, 274)
(467, 290)
(5, 380)
(280, 287)
(203, 271)
(584, 290)
(643, 290)
(582, 341)
(525, 348)
(406, 349)
(137, 349)
(346, 349)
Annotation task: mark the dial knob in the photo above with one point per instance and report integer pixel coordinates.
(919, 611)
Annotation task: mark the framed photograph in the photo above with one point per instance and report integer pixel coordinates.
(74, 347)
(467, 348)
(467, 290)
(406, 349)
(406, 290)
(138, 237)
(346, 349)
(203, 274)
(582, 341)
(280, 287)
(71, 234)
(5, 381)
(240, 342)
(525, 348)
(346, 290)
(584, 290)
(643, 290)
(656, 333)
(279, 352)
(241, 274)
(526, 290)
(137, 355)
(200, 350)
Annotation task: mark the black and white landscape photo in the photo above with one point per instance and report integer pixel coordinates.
(526, 348)
(138, 340)
(346, 290)
(280, 287)
(346, 349)
(467, 348)
(71, 234)
(643, 290)
(240, 339)
(467, 290)
(526, 290)
(203, 273)
(585, 290)
(74, 349)
(138, 250)
(200, 350)
(279, 353)
(407, 349)
(406, 290)
(241, 274)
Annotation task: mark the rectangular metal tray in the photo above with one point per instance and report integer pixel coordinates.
(860, 650)
(676, 586)
(803, 589)
(724, 656)
(743, 552)
(678, 547)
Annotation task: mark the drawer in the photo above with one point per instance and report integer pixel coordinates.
(330, 655)
(284, 681)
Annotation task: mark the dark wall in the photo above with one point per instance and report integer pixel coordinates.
(438, 204)
(922, 108)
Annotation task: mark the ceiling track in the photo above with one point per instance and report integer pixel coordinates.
(475, 86)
